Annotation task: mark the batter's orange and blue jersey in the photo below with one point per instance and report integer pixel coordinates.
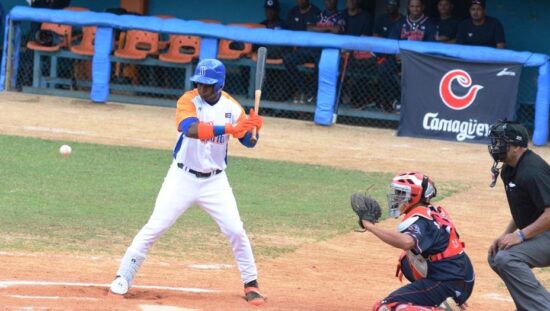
(205, 155)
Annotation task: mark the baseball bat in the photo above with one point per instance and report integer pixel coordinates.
(260, 71)
(340, 86)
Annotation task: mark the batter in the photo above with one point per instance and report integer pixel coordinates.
(206, 117)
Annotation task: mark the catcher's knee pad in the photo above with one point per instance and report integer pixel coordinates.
(381, 306)
(398, 306)
(411, 307)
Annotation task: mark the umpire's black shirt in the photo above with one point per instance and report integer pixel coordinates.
(527, 188)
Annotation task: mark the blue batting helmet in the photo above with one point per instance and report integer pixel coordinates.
(210, 71)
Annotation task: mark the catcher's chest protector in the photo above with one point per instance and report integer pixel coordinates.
(441, 217)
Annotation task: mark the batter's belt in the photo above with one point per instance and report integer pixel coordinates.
(198, 174)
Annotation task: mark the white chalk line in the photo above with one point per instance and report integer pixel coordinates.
(55, 130)
(499, 297)
(163, 308)
(52, 297)
(78, 133)
(5, 284)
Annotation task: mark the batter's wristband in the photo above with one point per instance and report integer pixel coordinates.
(205, 130)
(219, 130)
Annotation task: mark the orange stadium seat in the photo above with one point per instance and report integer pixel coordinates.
(65, 35)
(210, 21)
(86, 45)
(76, 8)
(227, 48)
(64, 32)
(183, 49)
(138, 45)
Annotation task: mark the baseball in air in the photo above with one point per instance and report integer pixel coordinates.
(65, 150)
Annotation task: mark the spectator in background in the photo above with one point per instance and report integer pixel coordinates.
(329, 20)
(446, 24)
(417, 26)
(481, 29)
(276, 86)
(301, 15)
(272, 18)
(460, 8)
(49, 4)
(383, 26)
(386, 22)
(368, 6)
(273, 21)
(358, 23)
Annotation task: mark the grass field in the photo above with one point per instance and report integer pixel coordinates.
(97, 199)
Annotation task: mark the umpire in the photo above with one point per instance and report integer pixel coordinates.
(526, 241)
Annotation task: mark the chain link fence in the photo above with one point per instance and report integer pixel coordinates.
(368, 94)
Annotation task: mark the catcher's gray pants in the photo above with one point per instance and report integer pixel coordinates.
(514, 265)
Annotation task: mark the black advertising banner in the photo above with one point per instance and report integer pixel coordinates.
(450, 99)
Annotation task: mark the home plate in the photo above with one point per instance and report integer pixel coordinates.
(163, 308)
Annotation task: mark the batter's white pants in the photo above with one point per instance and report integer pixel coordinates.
(180, 191)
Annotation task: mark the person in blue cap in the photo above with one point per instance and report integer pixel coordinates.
(206, 118)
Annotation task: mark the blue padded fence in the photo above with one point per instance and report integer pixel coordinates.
(328, 66)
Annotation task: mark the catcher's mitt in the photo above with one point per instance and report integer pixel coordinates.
(366, 208)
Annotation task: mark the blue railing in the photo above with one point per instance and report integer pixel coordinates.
(328, 65)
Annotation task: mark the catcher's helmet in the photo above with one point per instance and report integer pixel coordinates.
(504, 133)
(211, 72)
(408, 189)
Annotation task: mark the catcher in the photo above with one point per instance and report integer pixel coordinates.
(433, 260)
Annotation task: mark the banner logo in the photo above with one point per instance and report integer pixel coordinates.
(506, 72)
(453, 100)
(464, 130)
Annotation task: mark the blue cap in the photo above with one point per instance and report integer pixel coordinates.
(272, 4)
(211, 72)
(392, 2)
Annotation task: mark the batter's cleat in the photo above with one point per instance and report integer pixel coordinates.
(253, 296)
(119, 286)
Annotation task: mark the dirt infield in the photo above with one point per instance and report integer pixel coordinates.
(348, 272)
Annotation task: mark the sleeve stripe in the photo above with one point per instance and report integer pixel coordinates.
(186, 123)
